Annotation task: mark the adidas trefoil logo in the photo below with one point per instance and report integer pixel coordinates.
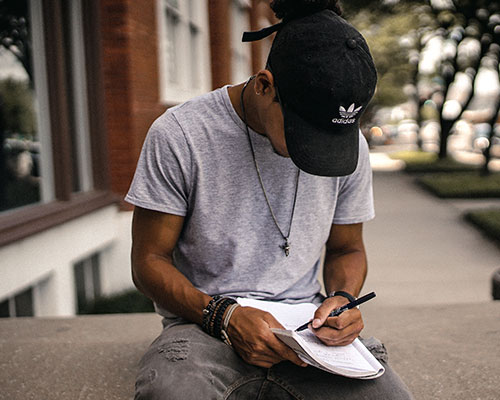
(351, 112)
(347, 115)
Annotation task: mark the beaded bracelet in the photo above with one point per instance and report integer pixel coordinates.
(219, 315)
(208, 312)
(213, 315)
(212, 326)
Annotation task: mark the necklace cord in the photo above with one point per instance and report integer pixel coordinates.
(286, 246)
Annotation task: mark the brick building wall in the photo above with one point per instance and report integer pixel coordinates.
(260, 16)
(130, 65)
(220, 41)
(131, 72)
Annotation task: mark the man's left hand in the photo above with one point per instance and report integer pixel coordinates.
(340, 330)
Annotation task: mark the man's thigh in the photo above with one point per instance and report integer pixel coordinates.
(315, 384)
(185, 363)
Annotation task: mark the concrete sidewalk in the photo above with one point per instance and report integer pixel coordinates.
(421, 251)
(432, 274)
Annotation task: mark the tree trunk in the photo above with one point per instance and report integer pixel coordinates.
(487, 152)
(3, 167)
(446, 126)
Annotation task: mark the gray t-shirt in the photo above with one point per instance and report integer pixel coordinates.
(196, 162)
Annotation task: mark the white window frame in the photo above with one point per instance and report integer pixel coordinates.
(47, 190)
(190, 13)
(80, 111)
(241, 56)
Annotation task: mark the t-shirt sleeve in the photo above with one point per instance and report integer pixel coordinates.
(355, 198)
(162, 178)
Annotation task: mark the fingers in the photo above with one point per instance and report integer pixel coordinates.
(341, 330)
(344, 320)
(280, 348)
(320, 316)
(267, 350)
(332, 337)
(252, 338)
(285, 352)
(322, 312)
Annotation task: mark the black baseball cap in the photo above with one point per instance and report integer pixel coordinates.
(325, 77)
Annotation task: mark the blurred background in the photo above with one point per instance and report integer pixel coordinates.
(81, 81)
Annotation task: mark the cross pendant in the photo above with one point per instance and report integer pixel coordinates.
(286, 247)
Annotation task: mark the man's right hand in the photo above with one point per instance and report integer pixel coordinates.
(251, 336)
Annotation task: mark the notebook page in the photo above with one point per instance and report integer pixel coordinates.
(347, 357)
(369, 357)
(290, 316)
(298, 344)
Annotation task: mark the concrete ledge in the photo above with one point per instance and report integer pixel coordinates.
(88, 357)
(441, 352)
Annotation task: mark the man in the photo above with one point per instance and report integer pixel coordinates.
(237, 193)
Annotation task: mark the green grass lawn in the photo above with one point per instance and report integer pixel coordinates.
(462, 185)
(422, 162)
(488, 221)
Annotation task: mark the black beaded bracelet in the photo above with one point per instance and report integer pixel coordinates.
(208, 312)
(213, 320)
(213, 315)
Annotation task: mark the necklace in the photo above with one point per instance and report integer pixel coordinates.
(286, 246)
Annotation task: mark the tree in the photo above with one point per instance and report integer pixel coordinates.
(14, 32)
(18, 113)
(384, 24)
(494, 27)
(16, 106)
(466, 35)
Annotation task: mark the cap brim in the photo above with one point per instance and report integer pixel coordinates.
(324, 151)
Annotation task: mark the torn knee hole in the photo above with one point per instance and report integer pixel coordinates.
(176, 350)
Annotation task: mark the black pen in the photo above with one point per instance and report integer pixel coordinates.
(340, 310)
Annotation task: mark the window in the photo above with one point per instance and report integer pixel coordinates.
(20, 146)
(172, 42)
(183, 45)
(26, 168)
(87, 281)
(52, 154)
(20, 305)
(240, 52)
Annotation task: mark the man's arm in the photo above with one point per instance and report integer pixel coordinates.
(345, 269)
(154, 236)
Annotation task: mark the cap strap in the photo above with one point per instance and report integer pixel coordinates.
(263, 33)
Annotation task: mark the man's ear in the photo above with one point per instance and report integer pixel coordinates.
(264, 83)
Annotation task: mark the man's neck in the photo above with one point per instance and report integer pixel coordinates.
(249, 97)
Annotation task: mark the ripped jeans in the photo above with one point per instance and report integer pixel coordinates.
(185, 363)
